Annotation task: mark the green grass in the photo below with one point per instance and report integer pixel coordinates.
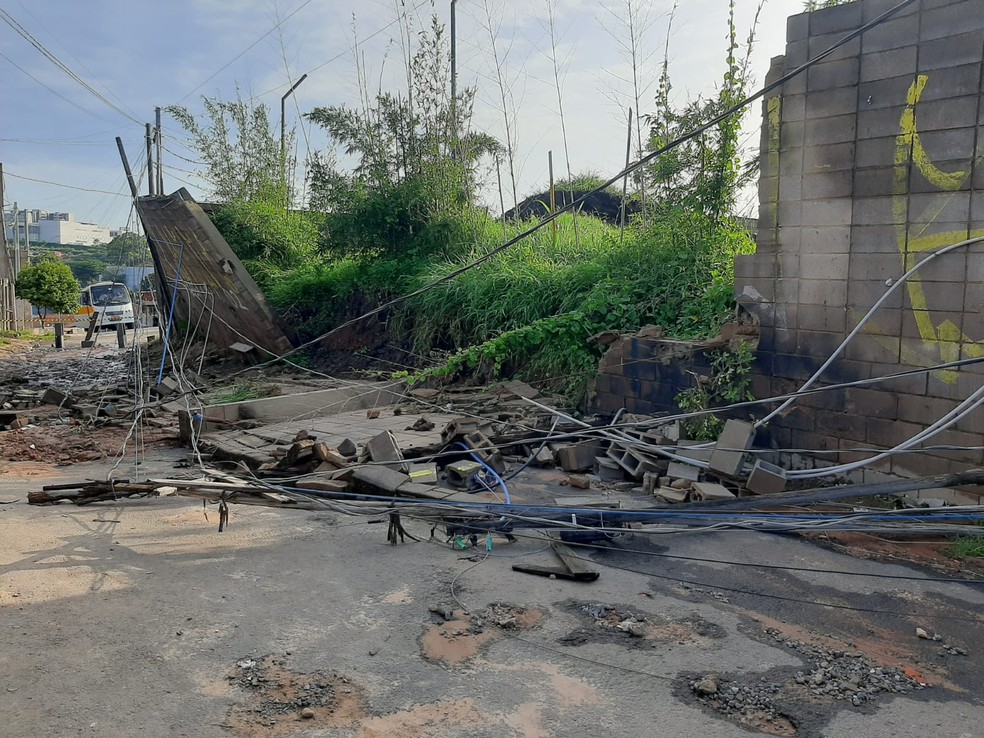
(242, 390)
(968, 547)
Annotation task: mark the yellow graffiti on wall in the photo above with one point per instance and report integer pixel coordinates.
(946, 338)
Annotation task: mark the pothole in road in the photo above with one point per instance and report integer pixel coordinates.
(456, 636)
(630, 628)
(281, 701)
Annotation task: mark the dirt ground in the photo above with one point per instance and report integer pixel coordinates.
(140, 618)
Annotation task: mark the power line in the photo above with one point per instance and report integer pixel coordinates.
(244, 51)
(10, 21)
(67, 186)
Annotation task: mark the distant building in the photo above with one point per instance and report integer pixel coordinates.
(51, 227)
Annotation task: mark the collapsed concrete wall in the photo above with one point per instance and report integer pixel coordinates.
(871, 161)
(215, 296)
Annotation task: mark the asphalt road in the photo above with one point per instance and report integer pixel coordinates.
(130, 619)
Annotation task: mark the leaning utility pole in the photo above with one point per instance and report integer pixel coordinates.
(159, 138)
(150, 160)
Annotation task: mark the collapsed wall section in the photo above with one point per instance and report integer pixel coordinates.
(871, 161)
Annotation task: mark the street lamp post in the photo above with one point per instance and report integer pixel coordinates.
(283, 124)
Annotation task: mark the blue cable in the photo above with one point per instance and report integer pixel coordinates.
(490, 470)
(170, 315)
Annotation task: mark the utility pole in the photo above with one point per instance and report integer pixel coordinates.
(283, 125)
(150, 160)
(160, 151)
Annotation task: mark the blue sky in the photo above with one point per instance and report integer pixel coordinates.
(139, 54)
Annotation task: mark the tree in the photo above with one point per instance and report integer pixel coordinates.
(239, 150)
(50, 287)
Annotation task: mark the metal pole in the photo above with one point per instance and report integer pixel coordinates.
(160, 150)
(150, 161)
(625, 181)
(126, 168)
(283, 123)
(553, 199)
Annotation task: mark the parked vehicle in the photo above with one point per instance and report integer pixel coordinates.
(110, 302)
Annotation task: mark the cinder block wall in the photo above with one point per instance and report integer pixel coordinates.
(870, 161)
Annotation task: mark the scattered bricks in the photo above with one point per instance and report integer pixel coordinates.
(52, 396)
(485, 450)
(669, 494)
(423, 473)
(682, 470)
(168, 386)
(705, 491)
(322, 485)
(421, 425)
(372, 413)
(766, 478)
(323, 452)
(384, 448)
(299, 452)
(245, 352)
(17, 423)
(607, 470)
(461, 473)
(544, 457)
(680, 484)
(348, 448)
(729, 451)
(424, 393)
(578, 456)
(579, 481)
(379, 478)
(670, 431)
(459, 427)
(650, 483)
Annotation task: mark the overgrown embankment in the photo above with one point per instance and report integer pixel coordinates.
(529, 311)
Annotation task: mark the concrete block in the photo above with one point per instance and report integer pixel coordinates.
(577, 457)
(707, 491)
(836, 129)
(423, 473)
(681, 470)
(384, 448)
(893, 33)
(485, 450)
(875, 210)
(825, 240)
(634, 463)
(52, 396)
(834, 19)
(766, 478)
(827, 185)
(890, 63)
(840, 75)
(669, 494)
(951, 20)
(797, 27)
(729, 451)
(461, 473)
(322, 485)
(607, 470)
(827, 157)
(380, 478)
(824, 291)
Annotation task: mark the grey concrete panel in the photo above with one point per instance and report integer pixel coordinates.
(875, 211)
(793, 108)
(823, 292)
(830, 102)
(791, 188)
(876, 152)
(952, 144)
(827, 185)
(829, 75)
(951, 20)
(892, 34)
(871, 9)
(951, 112)
(837, 129)
(939, 207)
(830, 212)
(789, 214)
(797, 27)
(952, 51)
(886, 64)
(863, 294)
(876, 267)
(879, 122)
(887, 93)
(874, 182)
(826, 240)
(875, 239)
(828, 157)
(824, 266)
(818, 44)
(835, 19)
(952, 82)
